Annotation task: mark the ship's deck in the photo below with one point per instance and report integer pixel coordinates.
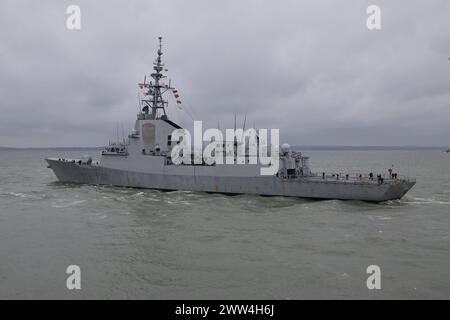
(357, 180)
(318, 178)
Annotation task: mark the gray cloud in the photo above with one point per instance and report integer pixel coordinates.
(310, 68)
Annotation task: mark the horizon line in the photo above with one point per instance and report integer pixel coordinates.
(314, 146)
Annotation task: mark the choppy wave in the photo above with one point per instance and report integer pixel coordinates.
(64, 204)
(179, 192)
(18, 194)
(183, 236)
(24, 195)
(393, 202)
(418, 200)
(381, 218)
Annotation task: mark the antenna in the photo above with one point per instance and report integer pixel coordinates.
(117, 131)
(235, 140)
(123, 134)
(139, 102)
(243, 129)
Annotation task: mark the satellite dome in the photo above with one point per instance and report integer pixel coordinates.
(285, 148)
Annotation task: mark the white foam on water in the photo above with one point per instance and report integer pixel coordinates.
(61, 204)
(179, 192)
(179, 202)
(18, 194)
(24, 195)
(392, 202)
(417, 200)
(383, 218)
(380, 218)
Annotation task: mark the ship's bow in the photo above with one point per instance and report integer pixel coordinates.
(72, 170)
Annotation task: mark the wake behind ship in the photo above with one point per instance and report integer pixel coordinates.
(144, 160)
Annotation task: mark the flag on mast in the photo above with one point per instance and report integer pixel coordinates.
(177, 96)
(144, 88)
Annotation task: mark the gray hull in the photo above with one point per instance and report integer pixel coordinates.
(305, 187)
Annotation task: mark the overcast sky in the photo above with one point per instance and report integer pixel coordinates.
(310, 68)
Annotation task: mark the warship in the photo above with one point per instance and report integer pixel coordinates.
(143, 160)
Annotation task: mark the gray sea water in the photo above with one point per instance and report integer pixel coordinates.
(134, 244)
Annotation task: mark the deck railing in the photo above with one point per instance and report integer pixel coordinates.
(355, 178)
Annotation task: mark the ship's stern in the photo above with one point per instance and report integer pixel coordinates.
(398, 188)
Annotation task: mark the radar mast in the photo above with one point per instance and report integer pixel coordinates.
(154, 105)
